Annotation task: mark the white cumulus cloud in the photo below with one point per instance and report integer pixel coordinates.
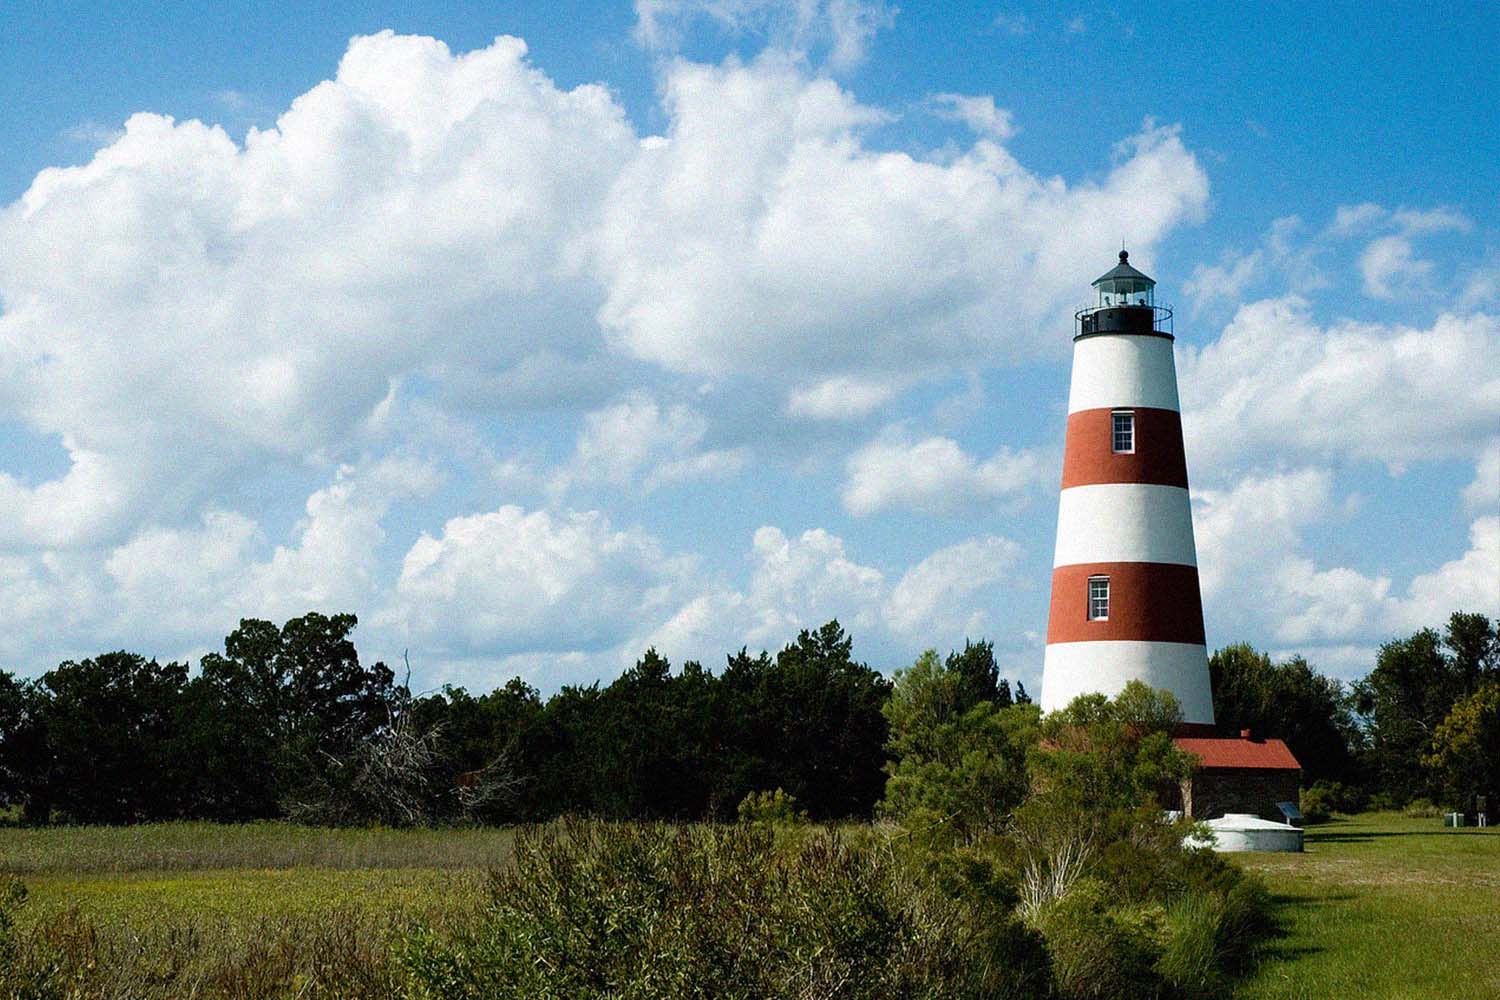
(1484, 492)
(840, 398)
(1256, 576)
(841, 29)
(638, 438)
(802, 581)
(978, 112)
(934, 475)
(1277, 384)
(514, 581)
(1390, 268)
(183, 309)
(933, 599)
(761, 234)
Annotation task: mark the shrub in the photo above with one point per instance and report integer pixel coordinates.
(1208, 935)
(592, 910)
(1325, 798)
(1422, 808)
(1245, 923)
(1189, 945)
(1099, 952)
(775, 808)
(1317, 806)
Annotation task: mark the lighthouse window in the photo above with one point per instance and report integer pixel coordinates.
(1098, 598)
(1124, 431)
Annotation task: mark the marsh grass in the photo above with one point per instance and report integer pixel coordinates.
(248, 912)
(342, 953)
(242, 896)
(173, 847)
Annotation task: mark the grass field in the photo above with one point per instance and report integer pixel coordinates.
(175, 847)
(1382, 907)
(181, 873)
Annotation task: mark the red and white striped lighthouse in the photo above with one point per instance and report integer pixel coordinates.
(1125, 599)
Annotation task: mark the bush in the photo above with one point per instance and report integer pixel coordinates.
(771, 809)
(1105, 945)
(1317, 806)
(1190, 945)
(1209, 935)
(1099, 952)
(1245, 923)
(1422, 808)
(587, 911)
(1325, 798)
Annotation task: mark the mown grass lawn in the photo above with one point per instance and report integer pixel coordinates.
(1381, 907)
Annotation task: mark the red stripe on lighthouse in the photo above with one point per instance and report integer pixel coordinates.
(1089, 457)
(1148, 602)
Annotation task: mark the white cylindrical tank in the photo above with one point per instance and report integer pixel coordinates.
(1244, 832)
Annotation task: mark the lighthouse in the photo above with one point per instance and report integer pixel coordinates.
(1125, 599)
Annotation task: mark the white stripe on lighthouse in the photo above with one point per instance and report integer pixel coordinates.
(1123, 371)
(1124, 522)
(1071, 669)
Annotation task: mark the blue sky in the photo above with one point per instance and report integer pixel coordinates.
(696, 323)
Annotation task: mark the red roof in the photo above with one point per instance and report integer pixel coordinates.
(1270, 754)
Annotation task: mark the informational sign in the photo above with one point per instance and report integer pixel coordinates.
(1290, 811)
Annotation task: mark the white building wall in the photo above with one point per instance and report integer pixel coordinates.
(1124, 522)
(1075, 668)
(1122, 371)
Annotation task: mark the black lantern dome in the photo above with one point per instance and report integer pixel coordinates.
(1123, 285)
(1126, 303)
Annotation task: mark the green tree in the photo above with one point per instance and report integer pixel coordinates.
(272, 716)
(959, 764)
(1104, 754)
(15, 761)
(564, 745)
(979, 672)
(105, 739)
(1289, 701)
(1465, 750)
(654, 741)
(488, 763)
(649, 745)
(811, 723)
(1415, 683)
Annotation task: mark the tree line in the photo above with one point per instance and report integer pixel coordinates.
(287, 722)
(1422, 726)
